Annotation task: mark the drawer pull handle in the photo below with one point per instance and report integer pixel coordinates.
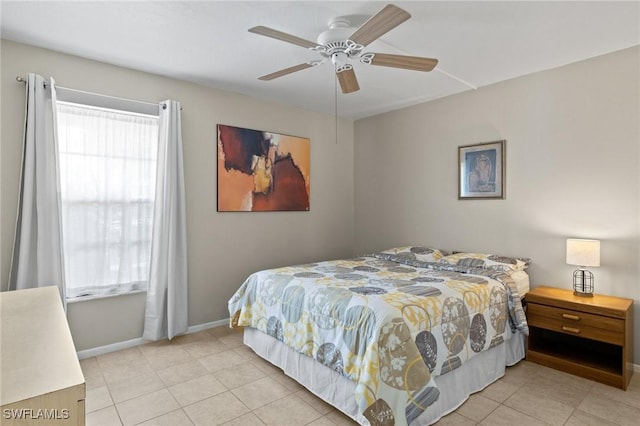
(571, 329)
(571, 317)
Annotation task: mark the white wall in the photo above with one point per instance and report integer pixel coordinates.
(223, 248)
(572, 170)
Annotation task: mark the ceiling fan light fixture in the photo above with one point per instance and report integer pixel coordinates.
(339, 60)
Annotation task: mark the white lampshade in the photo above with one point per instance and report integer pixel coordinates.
(583, 252)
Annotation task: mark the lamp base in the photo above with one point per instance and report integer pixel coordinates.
(582, 283)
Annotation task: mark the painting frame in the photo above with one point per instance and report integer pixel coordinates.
(262, 171)
(481, 171)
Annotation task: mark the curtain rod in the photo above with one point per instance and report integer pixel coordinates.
(22, 80)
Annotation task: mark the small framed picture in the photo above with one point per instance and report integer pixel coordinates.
(481, 171)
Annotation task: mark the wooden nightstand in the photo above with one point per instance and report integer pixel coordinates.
(590, 337)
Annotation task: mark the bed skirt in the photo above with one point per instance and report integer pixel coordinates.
(455, 387)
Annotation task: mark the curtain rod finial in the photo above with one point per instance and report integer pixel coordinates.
(20, 79)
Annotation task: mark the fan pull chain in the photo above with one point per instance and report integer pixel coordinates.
(335, 102)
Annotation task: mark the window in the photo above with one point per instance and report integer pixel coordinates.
(108, 180)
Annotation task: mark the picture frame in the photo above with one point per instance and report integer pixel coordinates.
(262, 171)
(481, 171)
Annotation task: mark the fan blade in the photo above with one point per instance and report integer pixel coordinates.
(279, 35)
(401, 61)
(380, 23)
(285, 71)
(348, 81)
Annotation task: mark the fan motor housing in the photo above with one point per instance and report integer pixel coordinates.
(339, 30)
(336, 40)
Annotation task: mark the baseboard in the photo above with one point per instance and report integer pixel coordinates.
(636, 368)
(101, 350)
(207, 325)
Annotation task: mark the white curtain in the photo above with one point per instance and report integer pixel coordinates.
(37, 254)
(107, 178)
(166, 312)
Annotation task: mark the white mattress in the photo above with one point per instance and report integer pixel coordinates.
(455, 387)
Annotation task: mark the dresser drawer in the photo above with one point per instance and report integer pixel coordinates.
(581, 324)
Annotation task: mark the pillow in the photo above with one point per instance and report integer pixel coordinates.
(487, 261)
(521, 279)
(420, 253)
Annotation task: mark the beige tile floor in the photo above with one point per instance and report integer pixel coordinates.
(211, 378)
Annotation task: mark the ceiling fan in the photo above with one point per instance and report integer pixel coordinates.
(339, 44)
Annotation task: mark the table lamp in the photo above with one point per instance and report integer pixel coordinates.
(583, 253)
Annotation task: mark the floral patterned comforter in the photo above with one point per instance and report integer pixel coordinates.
(388, 323)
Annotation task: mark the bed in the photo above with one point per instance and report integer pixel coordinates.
(398, 337)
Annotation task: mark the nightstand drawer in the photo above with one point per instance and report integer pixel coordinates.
(603, 329)
(576, 318)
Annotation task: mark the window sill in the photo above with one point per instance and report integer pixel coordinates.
(102, 296)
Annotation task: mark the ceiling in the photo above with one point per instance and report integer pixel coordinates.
(477, 43)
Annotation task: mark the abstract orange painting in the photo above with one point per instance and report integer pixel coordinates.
(262, 171)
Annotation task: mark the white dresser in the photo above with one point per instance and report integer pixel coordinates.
(41, 381)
